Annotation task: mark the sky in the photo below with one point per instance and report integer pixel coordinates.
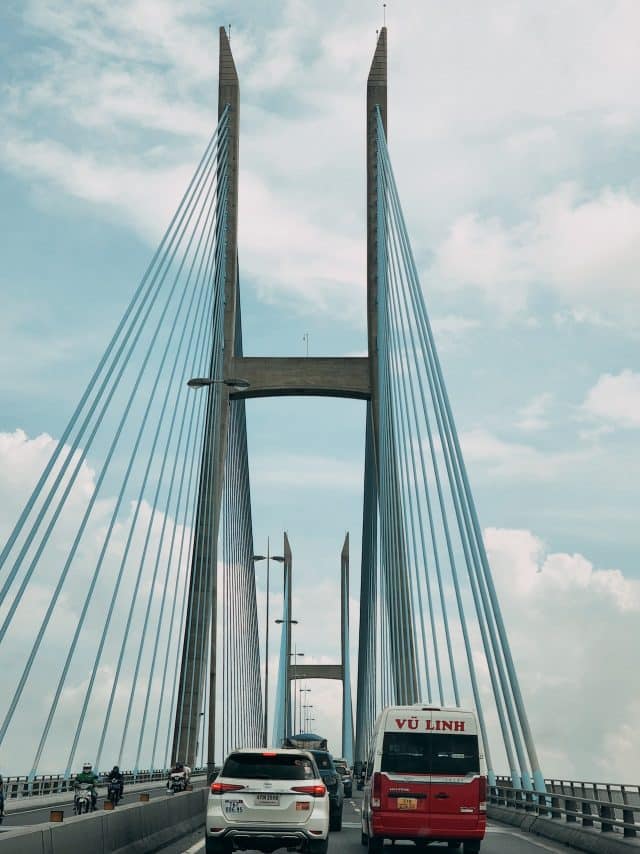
(513, 129)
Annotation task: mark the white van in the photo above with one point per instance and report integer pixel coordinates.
(426, 778)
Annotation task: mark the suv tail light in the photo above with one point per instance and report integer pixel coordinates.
(376, 790)
(483, 794)
(219, 788)
(316, 791)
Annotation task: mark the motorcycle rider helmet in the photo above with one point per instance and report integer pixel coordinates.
(115, 769)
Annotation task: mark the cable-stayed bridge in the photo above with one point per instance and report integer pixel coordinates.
(128, 604)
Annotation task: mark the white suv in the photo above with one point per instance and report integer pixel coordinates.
(268, 799)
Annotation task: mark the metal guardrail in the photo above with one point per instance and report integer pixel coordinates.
(612, 807)
(56, 784)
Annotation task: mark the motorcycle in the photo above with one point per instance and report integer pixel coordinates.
(82, 801)
(177, 783)
(114, 791)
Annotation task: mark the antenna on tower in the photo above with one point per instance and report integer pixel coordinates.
(229, 33)
(384, 14)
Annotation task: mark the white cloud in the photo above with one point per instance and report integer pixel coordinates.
(449, 329)
(22, 460)
(482, 255)
(135, 82)
(532, 417)
(573, 630)
(303, 472)
(496, 457)
(615, 398)
(583, 247)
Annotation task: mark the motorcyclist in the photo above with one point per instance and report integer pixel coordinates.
(115, 775)
(183, 770)
(87, 778)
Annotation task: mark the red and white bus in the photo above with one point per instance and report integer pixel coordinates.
(426, 778)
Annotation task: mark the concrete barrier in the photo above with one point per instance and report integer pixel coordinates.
(130, 829)
(581, 838)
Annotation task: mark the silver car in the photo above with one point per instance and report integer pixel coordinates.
(268, 799)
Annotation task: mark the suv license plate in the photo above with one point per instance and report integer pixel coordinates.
(268, 799)
(407, 803)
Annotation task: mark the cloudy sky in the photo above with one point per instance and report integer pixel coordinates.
(513, 127)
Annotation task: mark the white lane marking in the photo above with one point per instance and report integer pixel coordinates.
(351, 824)
(37, 809)
(525, 838)
(197, 847)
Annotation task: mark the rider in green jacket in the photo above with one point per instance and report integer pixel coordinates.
(87, 778)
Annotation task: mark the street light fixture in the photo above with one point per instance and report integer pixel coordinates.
(265, 726)
(232, 382)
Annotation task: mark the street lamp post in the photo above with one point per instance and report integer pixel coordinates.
(265, 726)
(303, 691)
(288, 623)
(306, 714)
(294, 655)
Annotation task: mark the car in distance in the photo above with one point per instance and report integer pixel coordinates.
(345, 775)
(264, 800)
(333, 781)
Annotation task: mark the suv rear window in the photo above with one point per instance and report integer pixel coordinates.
(430, 753)
(257, 766)
(323, 760)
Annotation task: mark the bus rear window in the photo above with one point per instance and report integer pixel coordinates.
(429, 753)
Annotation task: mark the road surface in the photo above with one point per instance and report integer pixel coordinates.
(499, 839)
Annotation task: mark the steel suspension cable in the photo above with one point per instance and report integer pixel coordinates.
(167, 238)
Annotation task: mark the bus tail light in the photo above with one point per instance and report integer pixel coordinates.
(376, 790)
(483, 794)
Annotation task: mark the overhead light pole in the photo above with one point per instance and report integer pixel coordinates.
(288, 623)
(306, 715)
(294, 655)
(303, 691)
(268, 557)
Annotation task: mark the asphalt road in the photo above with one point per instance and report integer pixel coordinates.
(26, 812)
(499, 839)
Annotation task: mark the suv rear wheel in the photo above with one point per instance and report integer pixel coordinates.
(471, 847)
(319, 846)
(335, 821)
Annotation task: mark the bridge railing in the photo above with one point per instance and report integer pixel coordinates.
(608, 807)
(56, 784)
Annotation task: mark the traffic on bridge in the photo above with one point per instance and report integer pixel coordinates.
(163, 687)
